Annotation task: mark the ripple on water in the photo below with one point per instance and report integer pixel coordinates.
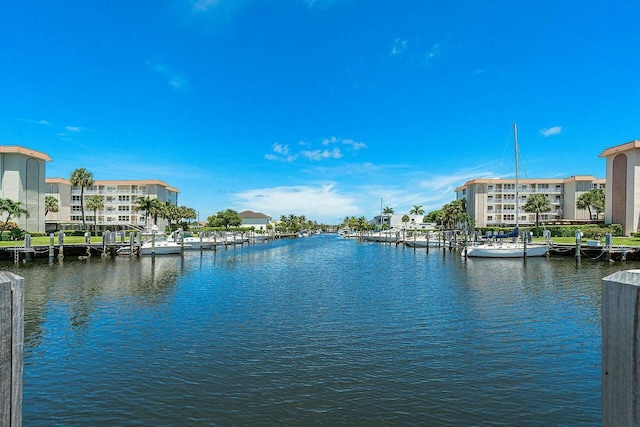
(313, 331)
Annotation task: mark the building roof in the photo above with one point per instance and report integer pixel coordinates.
(620, 148)
(14, 149)
(251, 214)
(117, 182)
(529, 181)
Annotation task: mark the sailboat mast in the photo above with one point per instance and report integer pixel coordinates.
(515, 143)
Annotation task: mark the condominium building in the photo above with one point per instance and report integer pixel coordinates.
(492, 202)
(119, 199)
(22, 180)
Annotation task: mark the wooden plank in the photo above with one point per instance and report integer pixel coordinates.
(621, 349)
(5, 353)
(11, 348)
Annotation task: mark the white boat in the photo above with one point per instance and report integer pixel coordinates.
(159, 245)
(506, 250)
(385, 236)
(194, 242)
(498, 249)
(422, 242)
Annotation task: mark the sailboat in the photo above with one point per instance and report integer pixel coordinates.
(509, 249)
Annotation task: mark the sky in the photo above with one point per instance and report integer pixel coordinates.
(322, 108)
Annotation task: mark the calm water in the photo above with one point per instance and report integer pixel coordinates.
(313, 331)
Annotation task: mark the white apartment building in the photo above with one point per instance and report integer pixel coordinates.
(22, 179)
(492, 202)
(119, 199)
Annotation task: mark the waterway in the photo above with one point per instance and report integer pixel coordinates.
(320, 330)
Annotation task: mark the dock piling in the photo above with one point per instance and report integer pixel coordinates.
(11, 348)
(620, 343)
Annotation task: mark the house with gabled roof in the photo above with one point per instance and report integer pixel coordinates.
(257, 220)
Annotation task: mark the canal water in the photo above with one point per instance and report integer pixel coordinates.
(312, 331)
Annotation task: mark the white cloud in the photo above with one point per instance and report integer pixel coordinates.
(74, 129)
(282, 152)
(204, 5)
(556, 130)
(322, 154)
(319, 3)
(175, 80)
(398, 47)
(434, 51)
(39, 122)
(355, 145)
(280, 149)
(322, 203)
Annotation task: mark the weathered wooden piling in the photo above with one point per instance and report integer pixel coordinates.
(51, 247)
(621, 349)
(61, 244)
(578, 245)
(11, 348)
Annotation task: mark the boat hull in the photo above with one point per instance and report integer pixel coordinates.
(162, 249)
(514, 250)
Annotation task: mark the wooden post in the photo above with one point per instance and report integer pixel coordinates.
(51, 249)
(578, 245)
(620, 349)
(153, 243)
(27, 247)
(61, 245)
(132, 239)
(11, 348)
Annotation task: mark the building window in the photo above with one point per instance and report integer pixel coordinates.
(75, 199)
(123, 198)
(123, 208)
(123, 217)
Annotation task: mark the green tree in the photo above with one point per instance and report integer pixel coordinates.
(455, 214)
(405, 219)
(386, 212)
(434, 216)
(82, 178)
(537, 203)
(50, 205)
(227, 219)
(416, 210)
(95, 202)
(11, 209)
(592, 199)
(144, 204)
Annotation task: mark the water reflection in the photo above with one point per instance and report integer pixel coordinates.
(80, 286)
(313, 331)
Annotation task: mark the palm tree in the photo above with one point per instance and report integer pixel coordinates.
(416, 210)
(95, 202)
(592, 199)
(12, 209)
(537, 203)
(82, 178)
(388, 212)
(50, 205)
(144, 204)
(405, 219)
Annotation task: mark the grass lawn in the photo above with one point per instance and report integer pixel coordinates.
(624, 241)
(44, 241)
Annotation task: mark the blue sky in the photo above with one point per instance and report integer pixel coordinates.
(319, 107)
